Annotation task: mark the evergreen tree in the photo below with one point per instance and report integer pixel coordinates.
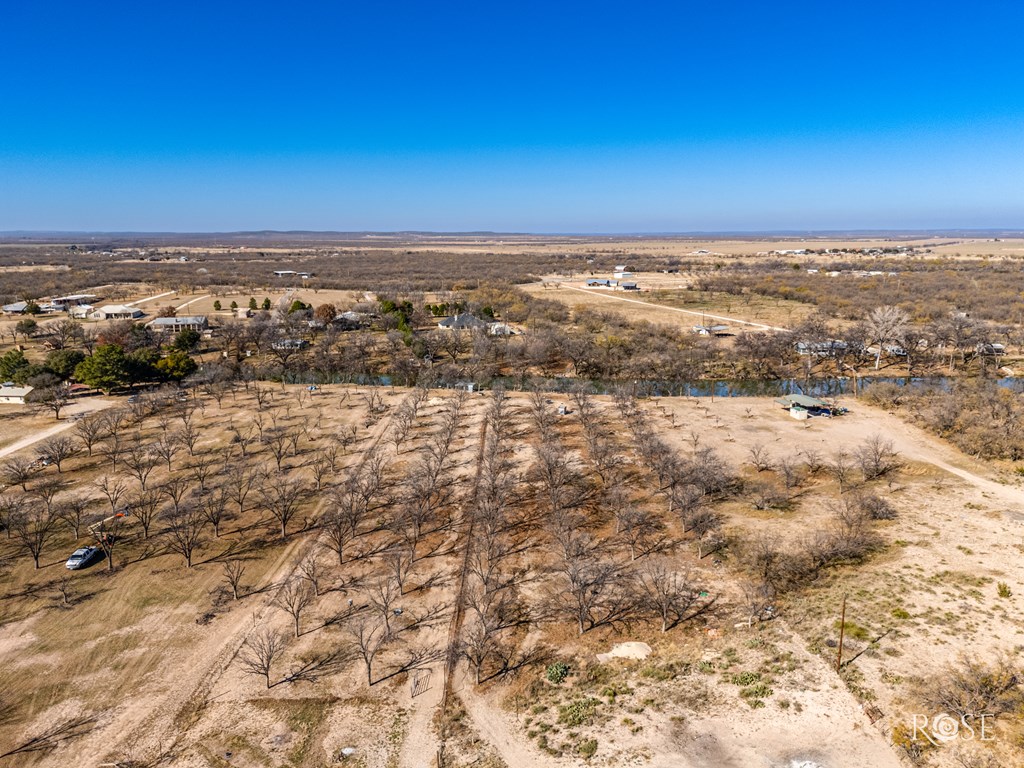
(107, 369)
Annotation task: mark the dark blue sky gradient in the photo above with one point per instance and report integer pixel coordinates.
(511, 116)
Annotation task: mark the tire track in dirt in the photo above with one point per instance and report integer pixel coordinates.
(510, 745)
(456, 625)
(412, 755)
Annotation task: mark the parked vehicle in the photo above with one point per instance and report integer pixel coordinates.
(81, 557)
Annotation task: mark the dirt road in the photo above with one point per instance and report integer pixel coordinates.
(151, 298)
(420, 743)
(192, 301)
(494, 727)
(915, 444)
(81, 406)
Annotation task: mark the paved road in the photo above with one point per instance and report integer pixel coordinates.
(612, 297)
(86, 405)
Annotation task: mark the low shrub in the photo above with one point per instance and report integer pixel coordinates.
(587, 748)
(578, 711)
(745, 678)
(557, 672)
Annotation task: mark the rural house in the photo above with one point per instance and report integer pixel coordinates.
(830, 348)
(13, 394)
(117, 312)
(74, 300)
(462, 322)
(197, 323)
(350, 321)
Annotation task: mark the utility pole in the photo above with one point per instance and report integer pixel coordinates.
(842, 632)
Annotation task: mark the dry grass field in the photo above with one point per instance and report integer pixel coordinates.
(621, 248)
(659, 295)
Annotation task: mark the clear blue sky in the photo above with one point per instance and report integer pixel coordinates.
(512, 116)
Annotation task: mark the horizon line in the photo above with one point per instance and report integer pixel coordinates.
(915, 233)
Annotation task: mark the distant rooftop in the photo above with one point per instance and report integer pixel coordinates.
(182, 320)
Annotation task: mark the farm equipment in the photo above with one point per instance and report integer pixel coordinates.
(103, 530)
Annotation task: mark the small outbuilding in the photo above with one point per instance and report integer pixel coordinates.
(991, 350)
(710, 330)
(284, 344)
(500, 329)
(805, 404)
